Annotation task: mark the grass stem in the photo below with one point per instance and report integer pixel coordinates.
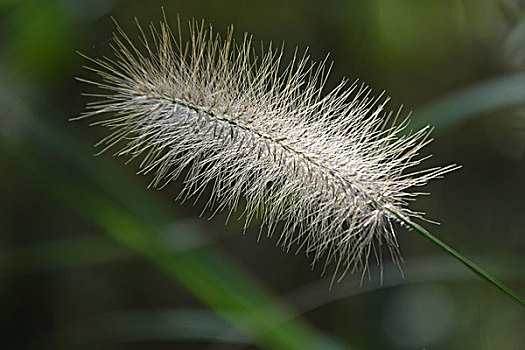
(464, 260)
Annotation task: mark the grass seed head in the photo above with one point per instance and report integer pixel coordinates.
(324, 169)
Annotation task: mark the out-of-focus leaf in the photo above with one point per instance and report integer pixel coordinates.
(416, 270)
(464, 105)
(86, 250)
(77, 251)
(196, 325)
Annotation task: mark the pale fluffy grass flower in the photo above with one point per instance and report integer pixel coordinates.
(325, 171)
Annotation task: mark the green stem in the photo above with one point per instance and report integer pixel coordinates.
(472, 266)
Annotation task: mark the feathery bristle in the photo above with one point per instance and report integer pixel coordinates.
(330, 166)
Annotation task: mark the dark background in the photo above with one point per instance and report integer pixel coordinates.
(91, 259)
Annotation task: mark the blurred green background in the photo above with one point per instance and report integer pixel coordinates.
(91, 259)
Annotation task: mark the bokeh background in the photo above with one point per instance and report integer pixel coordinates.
(91, 259)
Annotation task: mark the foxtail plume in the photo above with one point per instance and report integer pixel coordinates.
(329, 171)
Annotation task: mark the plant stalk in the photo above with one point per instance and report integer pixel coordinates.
(465, 261)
